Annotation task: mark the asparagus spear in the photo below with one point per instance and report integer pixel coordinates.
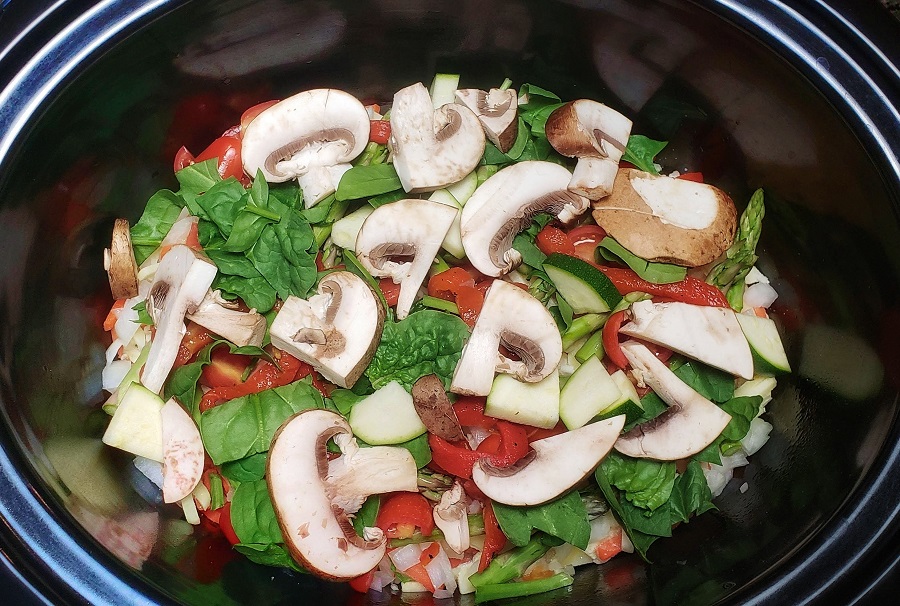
(511, 564)
(740, 257)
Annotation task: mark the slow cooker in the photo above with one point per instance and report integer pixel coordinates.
(797, 97)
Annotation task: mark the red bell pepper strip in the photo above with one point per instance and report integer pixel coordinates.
(690, 290)
(402, 513)
(459, 459)
(611, 339)
(265, 376)
(470, 412)
(494, 539)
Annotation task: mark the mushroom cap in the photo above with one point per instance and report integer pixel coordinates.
(223, 318)
(183, 454)
(120, 262)
(516, 319)
(432, 148)
(556, 465)
(336, 331)
(505, 204)
(320, 127)
(400, 241)
(689, 425)
(668, 220)
(586, 128)
(497, 111)
(316, 532)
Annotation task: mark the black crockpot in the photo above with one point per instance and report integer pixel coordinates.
(799, 98)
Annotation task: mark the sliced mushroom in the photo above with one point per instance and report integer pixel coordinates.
(183, 454)
(336, 330)
(400, 241)
(668, 220)
(450, 516)
(709, 334)
(497, 110)
(511, 317)
(181, 282)
(435, 409)
(597, 136)
(555, 465)
(432, 148)
(313, 497)
(226, 320)
(505, 204)
(315, 130)
(120, 264)
(687, 426)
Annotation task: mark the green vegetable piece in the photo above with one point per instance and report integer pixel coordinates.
(367, 181)
(592, 347)
(199, 177)
(222, 202)
(646, 483)
(691, 494)
(520, 589)
(440, 304)
(248, 469)
(658, 273)
(513, 563)
(641, 151)
(585, 288)
(711, 383)
(254, 522)
(581, 327)
(565, 517)
(741, 256)
(426, 342)
(159, 215)
(365, 517)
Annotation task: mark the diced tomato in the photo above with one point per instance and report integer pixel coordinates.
(265, 376)
(696, 177)
(254, 111)
(418, 574)
(610, 546)
(228, 150)
(112, 317)
(611, 339)
(225, 368)
(760, 312)
(192, 240)
(483, 285)
(469, 301)
(390, 291)
(363, 582)
(183, 158)
(226, 526)
(554, 240)
(379, 131)
(402, 513)
(585, 238)
(446, 284)
(195, 339)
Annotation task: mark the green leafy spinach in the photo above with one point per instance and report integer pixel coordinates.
(565, 517)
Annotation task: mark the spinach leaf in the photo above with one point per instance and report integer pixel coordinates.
(221, 203)
(639, 538)
(743, 410)
(285, 195)
(159, 215)
(537, 118)
(531, 255)
(367, 181)
(566, 518)
(535, 98)
(245, 426)
(367, 514)
(711, 383)
(256, 292)
(254, 522)
(321, 211)
(691, 494)
(248, 469)
(644, 482)
(248, 226)
(522, 137)
(282, 257)
(198, 178)
(344, 400)
(272, 554)
(658, 273)
(426, 342)
(641, 151)
(144, 317)
(387, 198)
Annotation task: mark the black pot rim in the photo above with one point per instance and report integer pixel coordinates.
(848, 53)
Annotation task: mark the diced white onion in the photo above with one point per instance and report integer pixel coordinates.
(759, 295)
(407, 556)
(150, 468)
(190, 510)
(113, 373)
(441, 572)
(476, 435)
(380, 579)
(113, 350)
(464, 571)
(754, 276)
(757, 436)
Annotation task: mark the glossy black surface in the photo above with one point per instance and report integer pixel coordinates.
(751, 93)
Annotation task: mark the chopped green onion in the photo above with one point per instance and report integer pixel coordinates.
(216, 491)
(441, 304)
(582, 326)
(592, 347)
(486, 593)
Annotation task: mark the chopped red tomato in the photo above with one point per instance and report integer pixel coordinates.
(491, 444)
(390, 291)
(696, 177)
(554, 240)
(458, 458)
(265, 376)
(112, 317)
(226, 526)
(183, 158)
(611, 339)
(379, 131)
(469, 301)
(537, 433)
(224, 370)
(254, 111)
(402, 513)
(585, 238)
(610, 546)
(363, 582)
(446, 284)
(195, 339)
(228, 150)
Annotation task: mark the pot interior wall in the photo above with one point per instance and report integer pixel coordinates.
(730, 108)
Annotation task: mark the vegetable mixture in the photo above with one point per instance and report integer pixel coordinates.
(466, 341)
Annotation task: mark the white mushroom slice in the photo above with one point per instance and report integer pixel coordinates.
(307, 494)
(514, 318)
(709, 334)
(505, 204)
(689, 425)
(315, 129)
(183, 453)
(120, 264)
(336, 330)
(181, 282)
(319, 182)
(597, 136)
(226, 320)
(400, 241)
(555, 465)
(666, 219)
(497, 110)
(432, 148)
(450, 516)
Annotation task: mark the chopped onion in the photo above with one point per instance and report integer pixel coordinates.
(113, 373)
(150, 468)
(380, 579)
(190, 510)
(759, 295)
(757, 436)
(407, 556)
(476, 435)
(441, 572)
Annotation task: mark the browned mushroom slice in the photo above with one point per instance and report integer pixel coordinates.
(119, 262)
(313, 497)
(435, 408)
(668, 220)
